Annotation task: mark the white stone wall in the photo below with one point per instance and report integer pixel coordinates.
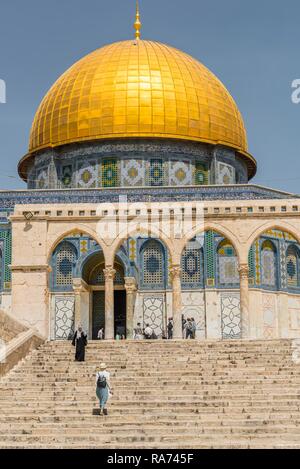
(294, 316)
(30, 300)
(5, 302)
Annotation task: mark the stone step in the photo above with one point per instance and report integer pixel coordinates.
(181, 394)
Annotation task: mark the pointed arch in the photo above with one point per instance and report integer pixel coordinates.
(219, 229)
(60, 236)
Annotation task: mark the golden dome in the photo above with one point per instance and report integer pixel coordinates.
(138, 89)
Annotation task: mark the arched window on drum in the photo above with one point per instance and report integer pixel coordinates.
(153, 269)
(227, 260)
(192, 265)
(65, 261)
(292, 266)
(268, 264)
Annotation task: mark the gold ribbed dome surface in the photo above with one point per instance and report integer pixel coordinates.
(138, 89)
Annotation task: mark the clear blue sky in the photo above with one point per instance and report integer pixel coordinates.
(252, 46)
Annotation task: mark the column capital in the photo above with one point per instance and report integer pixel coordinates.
(243, 271)
(175, 271)
(79, 286)
(109, 273)
(130, 284)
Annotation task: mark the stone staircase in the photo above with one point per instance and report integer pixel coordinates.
(167, 394)
(9, 327)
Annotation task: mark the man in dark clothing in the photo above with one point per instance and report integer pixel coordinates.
(194, 325)
(183, 322)
(170, 328)
(80, 342)
(189, 329)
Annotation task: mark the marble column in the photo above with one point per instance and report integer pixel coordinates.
(244, 299)
(130, 287)
(77, 306)
(175, 271)
(109, 274)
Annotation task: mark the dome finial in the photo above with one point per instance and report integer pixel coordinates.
(137, 24)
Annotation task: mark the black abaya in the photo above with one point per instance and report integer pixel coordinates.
(80, 344)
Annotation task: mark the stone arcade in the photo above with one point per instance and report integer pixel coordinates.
(141, 134)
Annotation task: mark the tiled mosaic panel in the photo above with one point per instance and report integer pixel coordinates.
(87, 176)
(268, 264)
(6, 240)
(66, 176)
(228, 271)
(193, 306)
(257, 262)
(292, 263)
(65, 261)
(132, 173)
(132, 249)
(1, 264)
(209, 254)
(230, 316)
(153, 264)
(277, 234)
(201, 174)
(251, 264)
(225, 174)
(110, 173)
(282, 264)
(269, 316)
(156, 172)
(84, 246)
(180, 173)
(42, 179)
(228, 264)
(191, 265)
(153, 313)
(64, 317)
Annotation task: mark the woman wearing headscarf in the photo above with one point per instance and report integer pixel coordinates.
(103, 387)
(80, 342)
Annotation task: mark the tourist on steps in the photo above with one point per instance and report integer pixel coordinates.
(80, 342)
(103, 388)
(100, 334)
(189, 329)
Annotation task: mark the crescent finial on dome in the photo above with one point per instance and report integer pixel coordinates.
(137, 24)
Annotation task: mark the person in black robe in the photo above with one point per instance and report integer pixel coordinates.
(170, 328)
(80, 342)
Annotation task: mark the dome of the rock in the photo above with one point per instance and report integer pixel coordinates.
(138, 89)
